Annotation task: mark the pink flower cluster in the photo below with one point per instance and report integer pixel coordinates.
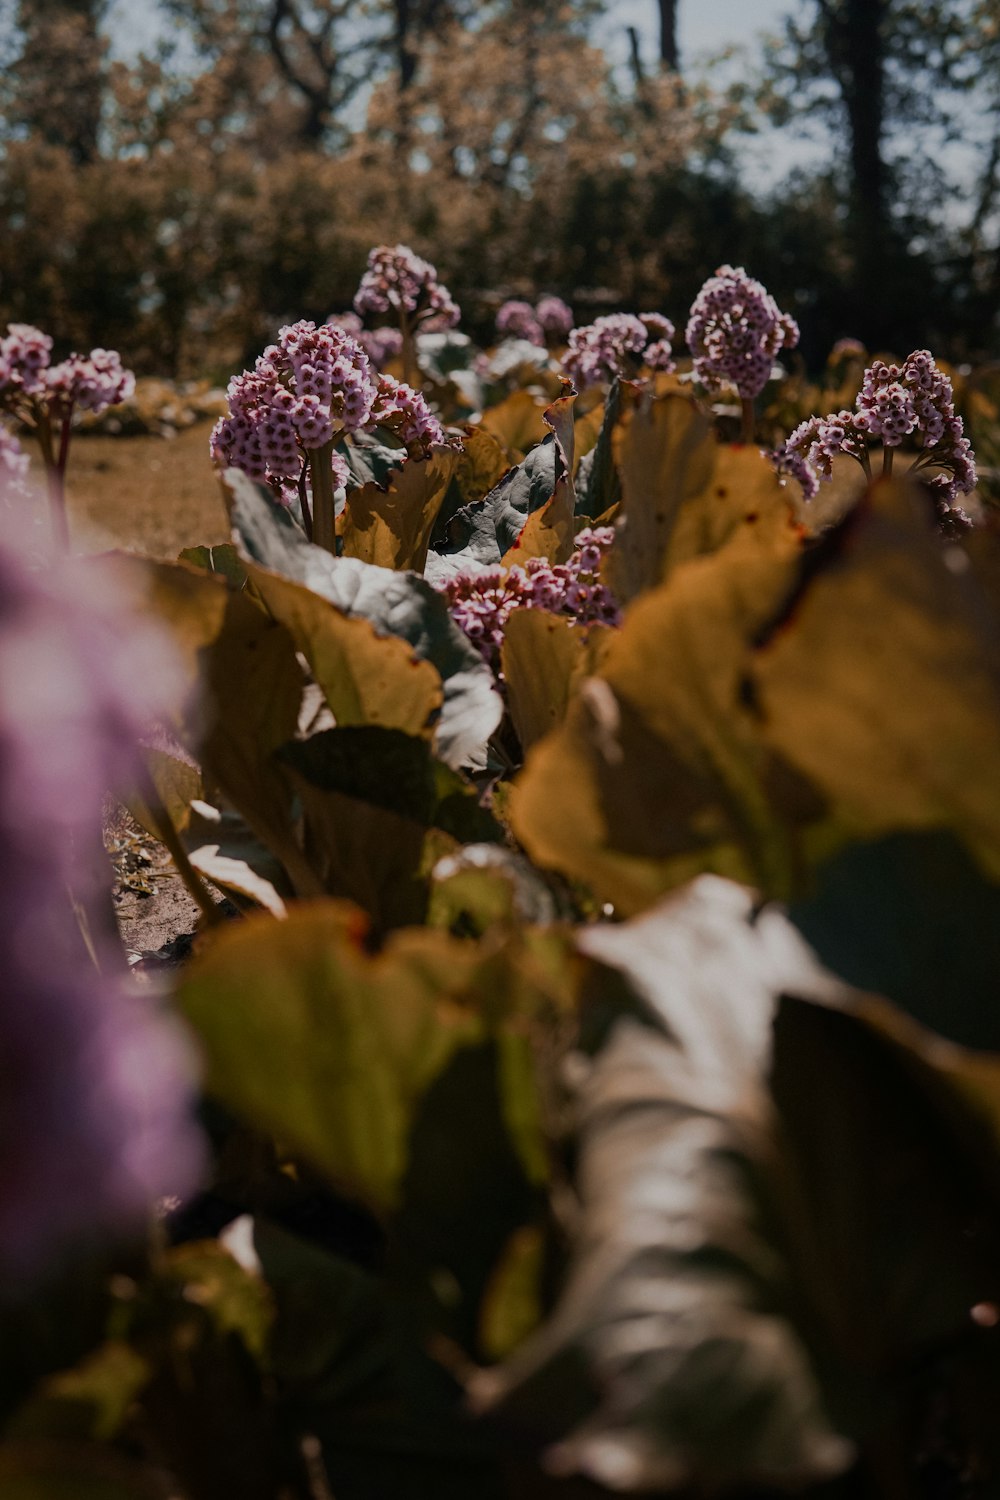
(736, 331)
(551, 318)
(912, 401)
(90, 382)
(380, 344)
(618, 345)
(397, 281)
(482, 603)
(303, 393)
(13, 464)
(96, 1116)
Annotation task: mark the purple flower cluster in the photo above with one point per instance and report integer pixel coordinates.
(95, 1120)
(555, 317)
(380, 344)
(482, 603)
(912, 402)
(618, 345)
(29, 379)
(404, 410)
(397, 281)
(13, 465)
(736, 331)
(549, 321)
(517, 320)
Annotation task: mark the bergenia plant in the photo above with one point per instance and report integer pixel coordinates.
(400, 284)
(482, 603)
(45, 397)
(517, 320)
(380, 344)
(735, 332)
(909, 404)
(618, 346)
(97, 1110)
(13, 466)
(303, 395)
(548, 323)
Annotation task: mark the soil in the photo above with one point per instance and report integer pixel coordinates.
(144, 494)
(155, 496)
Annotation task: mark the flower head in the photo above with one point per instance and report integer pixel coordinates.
(517, 320)
(736, 331)
(398, 281)
(95, 1111)
(618, 345)
(910, 403)
(555, 317)
(482, 602)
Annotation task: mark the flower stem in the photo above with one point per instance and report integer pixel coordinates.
(324, 525)
(747, 419)
(408, 352)
(307, 522)
(55, 474)
(887, 456)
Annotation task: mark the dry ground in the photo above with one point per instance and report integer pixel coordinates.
(144, 494)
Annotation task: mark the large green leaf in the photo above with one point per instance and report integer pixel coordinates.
(395, 604)
(331, 1047)
(780, 1223)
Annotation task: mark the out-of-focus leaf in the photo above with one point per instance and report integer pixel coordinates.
(544, 658)
(667, 457)
(330, 1047)
(74, 1471)
(743, 490)
(395, 771)
(671, 1358)
(176, 781)
(369, 797)
(598, 486)
(90, 1401)
(235, 877)
(512, 1308)
(485, 885)
(309, 1036)
(657, 771)
(391, 525)
(517, 423)
(911, 917)
(882, 684)
(222, 560)
(203, 1277)
(246, 686)
(395, 604)
(781, 1218)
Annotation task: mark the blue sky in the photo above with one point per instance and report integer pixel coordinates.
(705, 25)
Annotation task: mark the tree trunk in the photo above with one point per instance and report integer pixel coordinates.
(670, 58)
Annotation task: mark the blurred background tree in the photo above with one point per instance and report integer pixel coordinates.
(181, 204)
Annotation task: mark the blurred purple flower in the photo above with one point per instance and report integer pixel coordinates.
(555, 316)
(95, 1120)
(517, 320)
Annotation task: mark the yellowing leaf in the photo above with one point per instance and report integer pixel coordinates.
(481, 465)
(544, 657)
(392, 527)
(883, 685)
(517, 423)
(366, 678)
